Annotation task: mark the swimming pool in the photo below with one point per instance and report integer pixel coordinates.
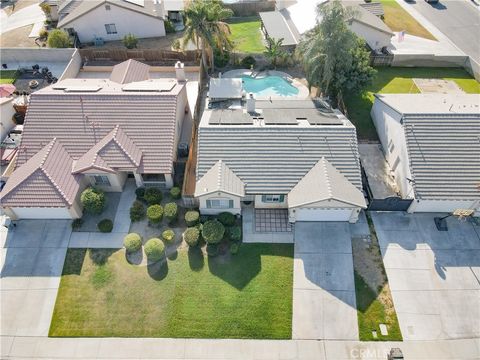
(268, 86)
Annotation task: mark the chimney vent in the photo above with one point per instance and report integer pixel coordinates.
(251, 103)
(180, 71)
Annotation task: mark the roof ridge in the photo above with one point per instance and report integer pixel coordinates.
(219, 175)
(117, 127)
(129, 63)
(327, 177)
(50, 146)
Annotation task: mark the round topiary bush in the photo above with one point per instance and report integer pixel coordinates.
(191, 236)
(93, 200)
(192, 217)
(168, 235)
(153, 196)
(175, 192)
(212, 249)
(155, 214)
(132, 242)
(248, 62)
(235, 233)
(140, 193)
(234, 248)
(226, 218)
(105, 225)
(154, 249)
(213, 231)
(171, 211)
(137, 211)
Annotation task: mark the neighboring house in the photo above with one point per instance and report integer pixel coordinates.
(113, 19)
(292, 22)
(7, 111)
(95, 131)
(432, 143)
(290, 154)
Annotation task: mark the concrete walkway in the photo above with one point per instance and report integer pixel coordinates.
(121, 225)
(252, 236)
(29, 15)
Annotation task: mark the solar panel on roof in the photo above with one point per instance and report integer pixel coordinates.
(280, 117)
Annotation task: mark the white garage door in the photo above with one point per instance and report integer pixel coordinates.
(42, 213)
(316, 214)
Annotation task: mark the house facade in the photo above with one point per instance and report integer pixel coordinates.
(96, 132)
(113, 19)
(432, 144)
(287, 154)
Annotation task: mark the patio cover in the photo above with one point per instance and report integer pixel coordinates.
(230, 88)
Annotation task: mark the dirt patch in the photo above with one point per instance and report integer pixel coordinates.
(164, 43)
(367, 261)
(17, 38)
(438, 86)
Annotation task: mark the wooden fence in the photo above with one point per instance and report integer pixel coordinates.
(159, 56)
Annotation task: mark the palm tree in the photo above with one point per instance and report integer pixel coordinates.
(274, 50)
(207, 29)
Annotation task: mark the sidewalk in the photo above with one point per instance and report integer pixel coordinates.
(120, 348)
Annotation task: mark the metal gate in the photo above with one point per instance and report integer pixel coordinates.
(389, 204)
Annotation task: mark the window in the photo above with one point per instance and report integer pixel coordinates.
(101, 180)
(219, 204)
(154, 177)
(111, 28)
(273, 198)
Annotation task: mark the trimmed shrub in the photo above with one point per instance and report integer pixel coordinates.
(235, 233)
(192, 217)
(155, 214)
(153, 196)
(248, 61)
(213, 231)
(130, 41)
(105, 225)
(137, 211)
(226, 218)
(191, 236)
(93, 200)
(171, 211)
(58, 39)
(140, 193)
(234, 248)
(175, 192)
(132, 242)
(169, 28)
(212, 249)
(77, 224)
(221, 58)
(154, 249)
(168, 235)
(43, 34)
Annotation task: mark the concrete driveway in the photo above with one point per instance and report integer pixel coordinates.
(434, 276)
(324, 305)
(32, 260)
(29, 15)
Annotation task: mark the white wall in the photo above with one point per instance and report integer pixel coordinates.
(92, 24)
(73, 66)
(40, 213)
(219, 195)
(116, 180)
(259, 204)
(392, 136)
(376, 39)
(446, 206)
(6, 112)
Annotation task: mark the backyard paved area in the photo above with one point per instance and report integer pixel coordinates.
(272, 220)
(324, 305)
(434, 276)
(32, 260)
(252, 235)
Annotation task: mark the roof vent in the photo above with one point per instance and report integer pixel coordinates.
(250, 103)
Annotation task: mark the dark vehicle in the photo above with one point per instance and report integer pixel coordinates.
(432, 1)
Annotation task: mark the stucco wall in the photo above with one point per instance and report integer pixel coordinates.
(392, 137)
(182, 104)
(219, 195)
(376, 39)
(443, 206)
(116, 181)
(92, 24)
(6, 112)
(73, 66)
(259, 204)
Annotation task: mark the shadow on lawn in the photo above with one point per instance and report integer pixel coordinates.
(159, 270)
(196, 259)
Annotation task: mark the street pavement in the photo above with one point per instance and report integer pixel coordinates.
(459, 20)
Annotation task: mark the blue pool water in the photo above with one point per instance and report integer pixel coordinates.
(269, 86)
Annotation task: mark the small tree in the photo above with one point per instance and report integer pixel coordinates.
(132, 242)
(191, 236)
(130, 41)
(213, 231)
(192, 217)
(47, 10)
(93, 200)
(274, 51)
(154, 249)
(58, 39)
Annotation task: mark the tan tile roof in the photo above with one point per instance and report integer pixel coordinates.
(116, 151)
(220, 178)
(42, 180)
(130, 71)
(324, 182)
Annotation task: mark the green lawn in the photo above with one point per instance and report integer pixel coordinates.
(248, 295)
(371, 312)
(246, 34)
(398, 19)
(7, 76)
(398, 80)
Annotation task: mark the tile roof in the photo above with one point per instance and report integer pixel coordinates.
(130, 71)
(42, 180)
(324, 182)
(443, 143)
(271, 159)
(116, 151)
(364, 16)
(220, 178)
(375, 8)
